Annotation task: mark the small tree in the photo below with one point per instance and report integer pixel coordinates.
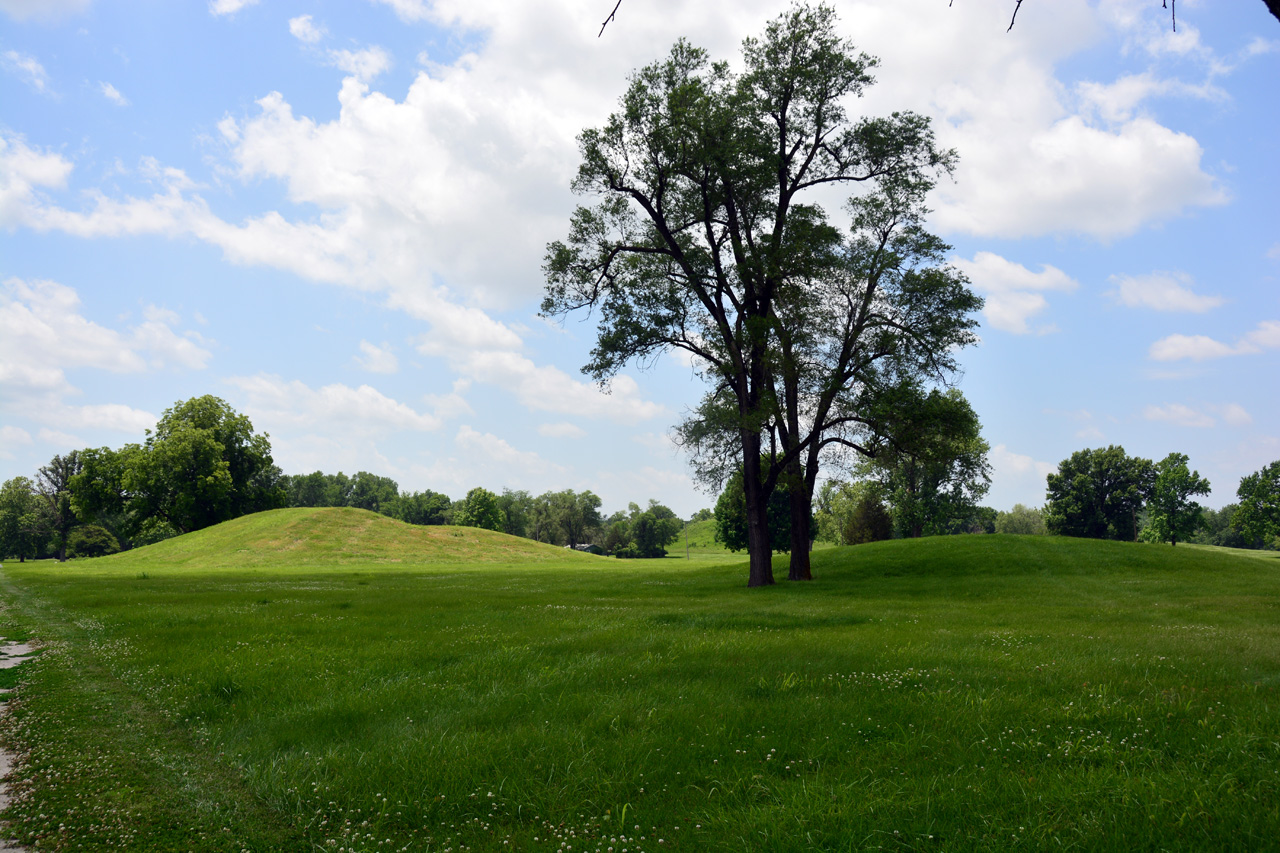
(1173, 515)
(91, 540)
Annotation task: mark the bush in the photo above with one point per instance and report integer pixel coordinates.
(90, 540)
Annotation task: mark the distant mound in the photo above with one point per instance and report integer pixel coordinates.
(337, 536)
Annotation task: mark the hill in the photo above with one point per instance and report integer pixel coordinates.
(336, 536)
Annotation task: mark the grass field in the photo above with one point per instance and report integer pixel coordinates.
(329, 680)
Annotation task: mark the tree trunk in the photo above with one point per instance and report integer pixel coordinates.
(758, 545)
(801, 508)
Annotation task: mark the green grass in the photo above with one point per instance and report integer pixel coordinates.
(326, 692)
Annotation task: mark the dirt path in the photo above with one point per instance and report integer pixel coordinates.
(11, 655)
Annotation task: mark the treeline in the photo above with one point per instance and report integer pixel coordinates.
(203, 464)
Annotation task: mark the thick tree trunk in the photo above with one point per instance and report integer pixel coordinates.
(758, 545)
(801, 506)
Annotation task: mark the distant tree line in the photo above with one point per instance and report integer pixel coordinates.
(204, 464)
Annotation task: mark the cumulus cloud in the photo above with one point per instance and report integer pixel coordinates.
(24, 172)
(27, 69)
(1179, 415)
(1201, 347)
(1161, 291)
(331, 409)
(364, 65)
(496, 454)
(112, 94)
(304, 29)
(12, 436)
(1013, 293)
(43, 334)
(377, 359)
(228, 7)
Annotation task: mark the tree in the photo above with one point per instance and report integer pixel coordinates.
(933, 463)
(53, 485)
(1172, 515)
(91, 540)
(317, 489)
(420, 508)
(576, 514)
(1097, 494)
(21, 524)
(1258, 517)
(644, 533)
(202, 465)
(731, 517)
(372, 492)
(479, 509)
(706, 228)
(1022, 520)
(515, 507)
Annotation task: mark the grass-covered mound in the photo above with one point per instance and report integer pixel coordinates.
(334, 537)
(959, 693)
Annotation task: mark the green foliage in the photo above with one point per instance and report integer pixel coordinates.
(1022, 520)
(201, 465)
(933, 467)
(54, 486)
(704, 236)
(1258, 518)
(479, 509)
(643, 533)
(869, 522)
(731, 517)
(23, 526)
(1172, 514)
(372, 492)
(421, 508)
(90, 540)
(1097, 494)
(317, 489)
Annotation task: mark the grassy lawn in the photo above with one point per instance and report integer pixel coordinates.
(330, 680)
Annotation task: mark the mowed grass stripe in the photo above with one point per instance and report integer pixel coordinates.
(959, 693)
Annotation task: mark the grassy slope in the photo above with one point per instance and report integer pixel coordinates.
(953, 693)
(334, 538)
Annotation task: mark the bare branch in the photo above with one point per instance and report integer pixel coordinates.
(610, 18)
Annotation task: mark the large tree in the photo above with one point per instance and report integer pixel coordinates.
(1172, 513)
(53, 484)
(22, 526)
(1097, 494)
(706, 226)
(932, 462)
(1258, 516)
(203, 464)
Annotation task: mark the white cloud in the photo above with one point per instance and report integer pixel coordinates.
(563, 429)
(228, 7)
(364, 65)
(1117, 102)
(408, 10)
(1201, 347)
(27, 68)
(1235, 415)
(1005, 462)
(59, 438)
(377, 359)
(1179, 415)
(23, 172)
(112, 94)
(453, 404)
(12, 436)
(42, 10)
(1161, 291)
(304, 29)
(332, 409)
(43, 334)
(1013, 293)
(488, 452)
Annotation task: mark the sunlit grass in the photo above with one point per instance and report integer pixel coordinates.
(958, 693)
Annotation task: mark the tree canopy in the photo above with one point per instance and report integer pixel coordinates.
(1172, 513)
(706, 238)
(1258, 516)
(1097, 494)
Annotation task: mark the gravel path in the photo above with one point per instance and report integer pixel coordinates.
(11, 654)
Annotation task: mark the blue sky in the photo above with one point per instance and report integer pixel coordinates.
(332, 215)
